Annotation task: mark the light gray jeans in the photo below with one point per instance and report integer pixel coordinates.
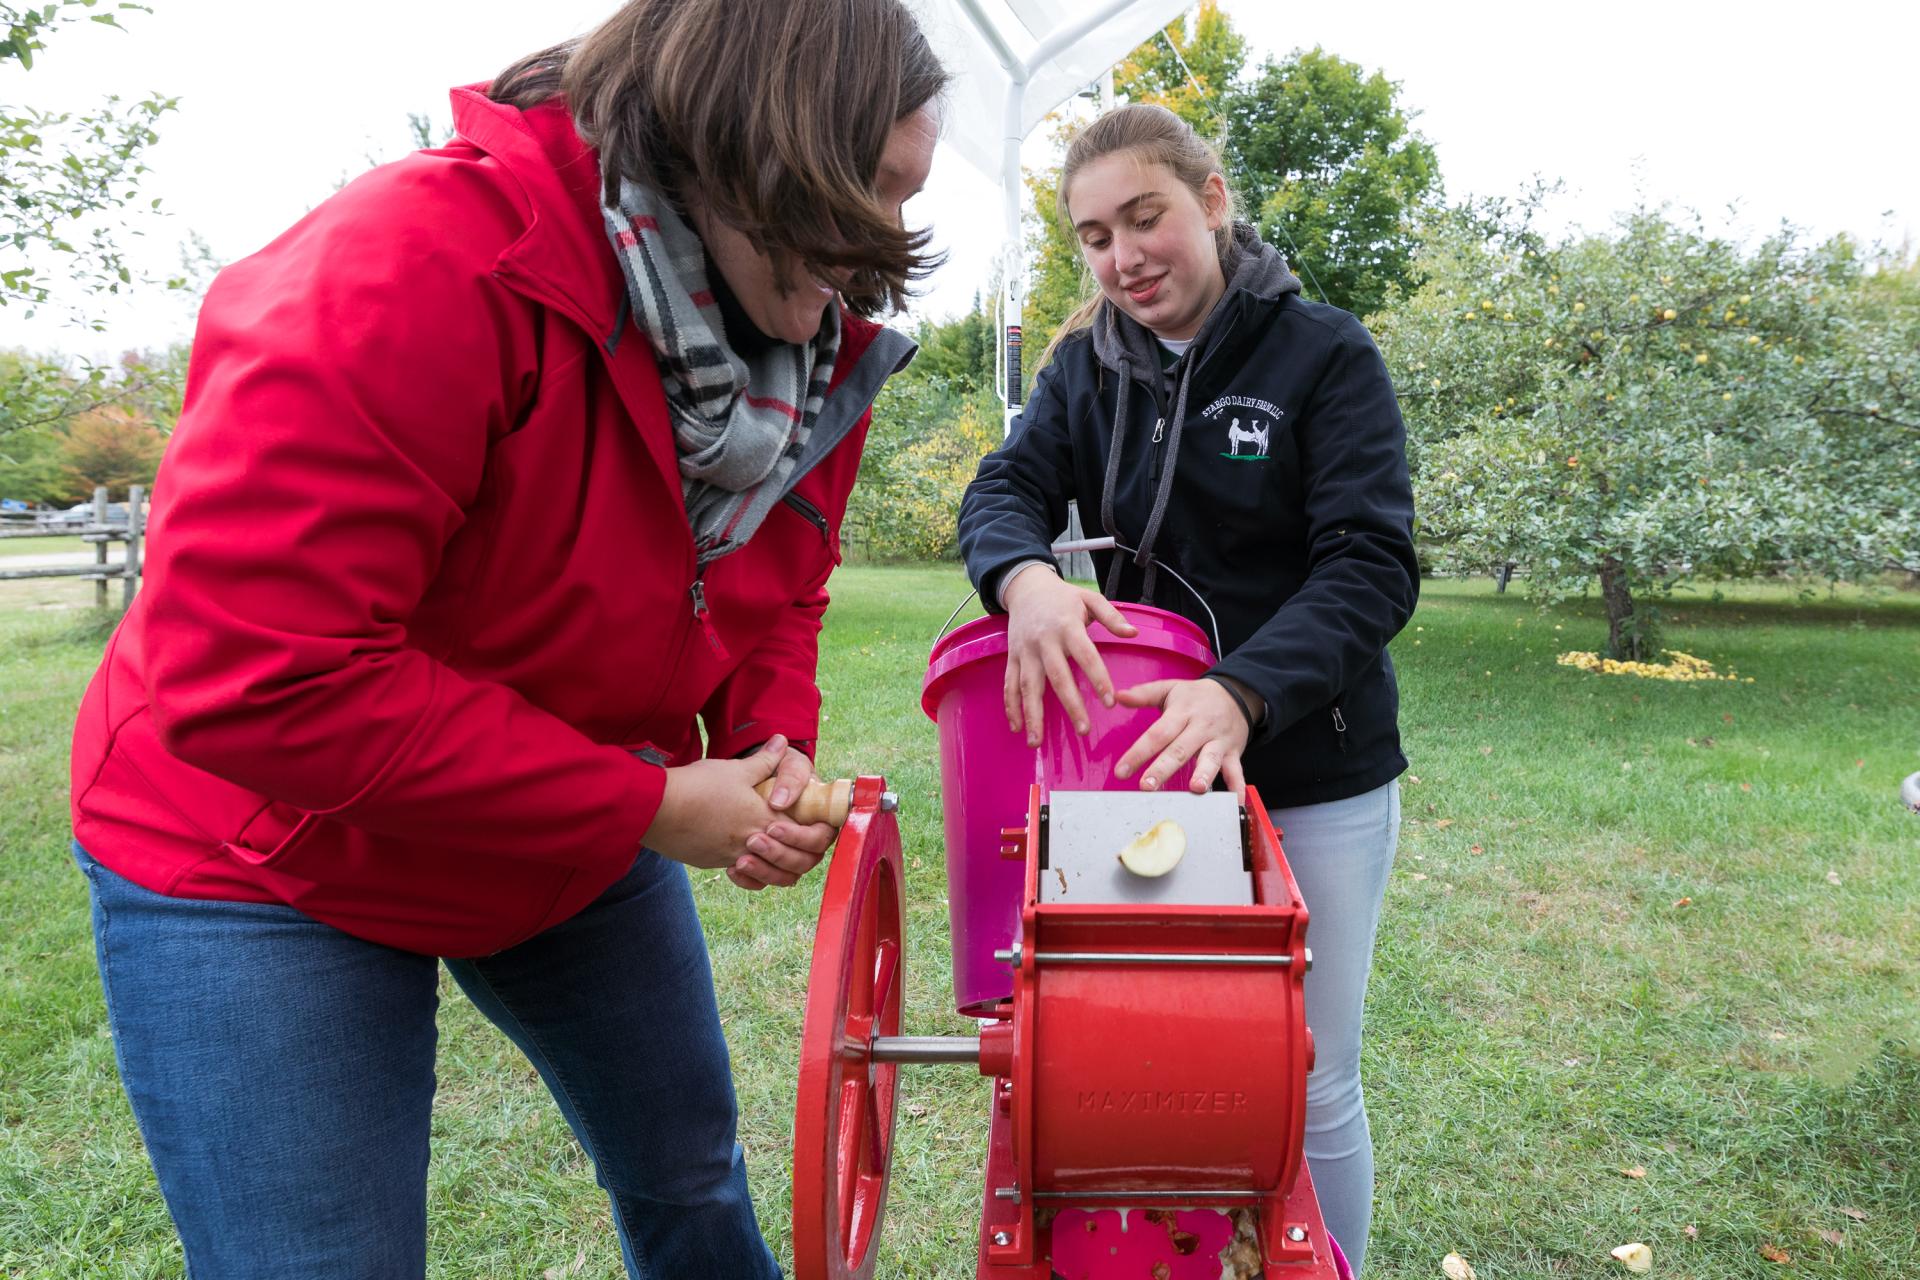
(1341, 853)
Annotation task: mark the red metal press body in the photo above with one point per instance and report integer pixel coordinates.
(1149, 1069)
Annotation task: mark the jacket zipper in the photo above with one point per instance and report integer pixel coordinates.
(1160, 423)
(1340, 729)
(698, 591)
(681, 636)
(705, 618)
(1159, 434)
(1233, 322)
(808, 512)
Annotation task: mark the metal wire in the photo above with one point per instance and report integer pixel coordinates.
(1095, 544)
(964, 601)
(1301, 259)
(1201, 89)
(1213, 623)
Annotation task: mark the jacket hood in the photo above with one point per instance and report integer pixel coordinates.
(1255, 271)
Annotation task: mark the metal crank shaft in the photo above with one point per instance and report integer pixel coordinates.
(919, 1049)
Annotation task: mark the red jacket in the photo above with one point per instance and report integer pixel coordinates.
(421, 579)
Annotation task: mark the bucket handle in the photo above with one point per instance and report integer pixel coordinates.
(1103, 544)
(948, 624)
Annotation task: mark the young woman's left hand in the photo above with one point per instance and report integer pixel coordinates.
(1199, 721)
(786, 850)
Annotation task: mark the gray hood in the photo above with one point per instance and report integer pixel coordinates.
(1256, 274)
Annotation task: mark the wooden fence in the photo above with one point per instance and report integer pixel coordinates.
(101, 532)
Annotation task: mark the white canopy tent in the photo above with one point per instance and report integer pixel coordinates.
(1014, 61)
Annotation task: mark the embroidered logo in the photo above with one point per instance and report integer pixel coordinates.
(1245, 428)
(1255, 434)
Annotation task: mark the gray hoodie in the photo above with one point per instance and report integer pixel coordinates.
(1129, 348)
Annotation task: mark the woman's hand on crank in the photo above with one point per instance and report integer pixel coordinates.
(1199, 721)
(711, 817)
(1047, 621)
(785, 850)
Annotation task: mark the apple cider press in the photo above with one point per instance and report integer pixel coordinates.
(1135, 962)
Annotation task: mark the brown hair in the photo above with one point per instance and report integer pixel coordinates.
(774, 113)
(1153, 135)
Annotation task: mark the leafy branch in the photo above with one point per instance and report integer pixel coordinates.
(66, 181)
(25, 25)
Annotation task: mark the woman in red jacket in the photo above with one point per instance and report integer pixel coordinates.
(501, 475)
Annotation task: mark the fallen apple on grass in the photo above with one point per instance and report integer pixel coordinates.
(1635, 1257)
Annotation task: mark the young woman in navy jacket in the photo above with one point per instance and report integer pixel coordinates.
(1223, 429)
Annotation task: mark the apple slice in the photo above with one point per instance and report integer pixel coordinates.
(1635, 1257)
(1155, 851)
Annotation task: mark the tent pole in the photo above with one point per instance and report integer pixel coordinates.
(1007, 358)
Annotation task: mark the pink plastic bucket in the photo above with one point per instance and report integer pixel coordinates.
(986, 768)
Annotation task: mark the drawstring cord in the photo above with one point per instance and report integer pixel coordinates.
(1157, 515)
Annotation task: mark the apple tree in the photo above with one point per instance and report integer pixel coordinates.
(1322, 155)
(1655, 404)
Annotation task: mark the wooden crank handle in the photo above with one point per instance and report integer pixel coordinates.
(818, 802)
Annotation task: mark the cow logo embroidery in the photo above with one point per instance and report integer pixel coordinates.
(1255, 434)
(1249, 437)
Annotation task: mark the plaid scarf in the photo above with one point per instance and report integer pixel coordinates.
(739, 425)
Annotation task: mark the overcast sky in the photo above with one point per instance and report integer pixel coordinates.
(1705, 105)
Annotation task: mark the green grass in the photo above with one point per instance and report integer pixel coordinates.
(1613, 939)
(40, 546)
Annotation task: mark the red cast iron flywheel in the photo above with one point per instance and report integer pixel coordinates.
(843, 1121)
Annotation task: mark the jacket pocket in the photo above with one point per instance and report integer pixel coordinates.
(273, 836)
(818, 519)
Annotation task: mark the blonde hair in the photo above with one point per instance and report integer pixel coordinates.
(1152, 135)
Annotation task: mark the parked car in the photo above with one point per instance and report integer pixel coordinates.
(80, 515)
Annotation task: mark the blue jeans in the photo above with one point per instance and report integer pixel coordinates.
(281, 1072)
(1340, 853)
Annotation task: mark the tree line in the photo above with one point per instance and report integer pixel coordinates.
(67, 182)
(1623, 411)
(1619, 411)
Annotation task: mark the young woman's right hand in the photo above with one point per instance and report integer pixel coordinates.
(1046, 637)
(711, 817)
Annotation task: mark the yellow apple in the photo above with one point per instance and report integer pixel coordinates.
(1155, 851)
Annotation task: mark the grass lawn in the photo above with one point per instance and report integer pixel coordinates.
(41, 546)
(1633, 925)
